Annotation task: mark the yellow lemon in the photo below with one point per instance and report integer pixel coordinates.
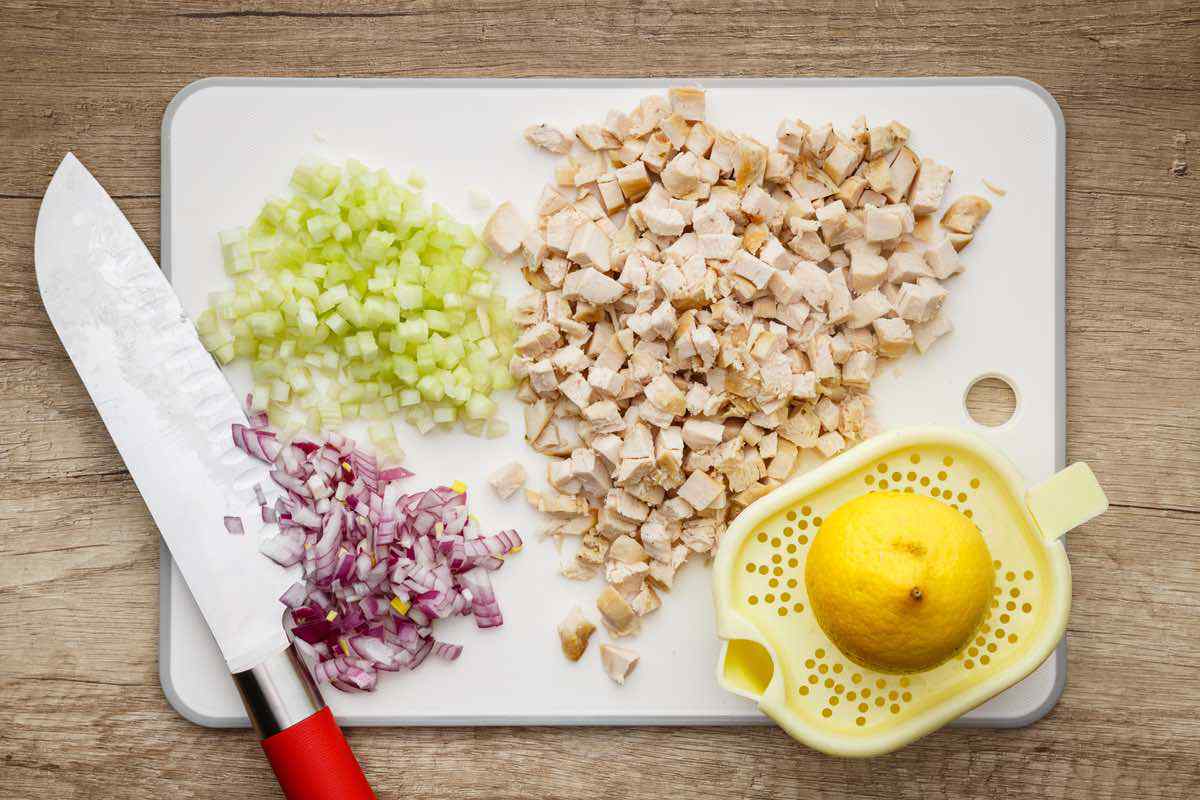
(899, 582)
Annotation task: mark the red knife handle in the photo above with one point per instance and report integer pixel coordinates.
(313, 762)
(299, 735)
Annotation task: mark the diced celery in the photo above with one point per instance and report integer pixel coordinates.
(352, 298)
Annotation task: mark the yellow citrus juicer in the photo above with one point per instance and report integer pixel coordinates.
(775, 653)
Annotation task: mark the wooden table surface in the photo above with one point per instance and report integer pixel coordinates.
(83, 714)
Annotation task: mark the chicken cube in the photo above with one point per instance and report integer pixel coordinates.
(646, 601)
(784, 462)
(719, 246)
(666, 396)
(930, 187)
(606, 381)
(548, 138)
(906, 266)
(507, 480)
(570, 359)
(681, 175)
(867, 308)
(590, 247)
(926, 333)
(756, 271)
(575, 388)
(617, 614)
(882, 225)
(842, 160)
(633, 181)
(504, 230)
(700, 490)
(574, 633)
(687, 102)
(593, 137)
(965, 213)
(701, 434)
(903, 170)
(867, 269)
(618, 662)
(919, 302)
(859, 370)
(830, 444)
(663, 221)
(894, 335)
(943, 260)
(750, 165)
(593, 286)
(604, 417)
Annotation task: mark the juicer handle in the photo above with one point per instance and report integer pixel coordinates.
(1066, 500)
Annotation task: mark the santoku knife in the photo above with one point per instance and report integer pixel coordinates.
(169, 411)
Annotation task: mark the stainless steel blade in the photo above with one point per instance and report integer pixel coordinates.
(167, 406)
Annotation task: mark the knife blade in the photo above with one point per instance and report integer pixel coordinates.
(167, 406)
(170, 412)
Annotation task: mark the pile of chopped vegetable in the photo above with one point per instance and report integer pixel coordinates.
(352, 299)
(379, 565)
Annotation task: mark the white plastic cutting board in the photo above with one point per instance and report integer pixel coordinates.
(229, 144)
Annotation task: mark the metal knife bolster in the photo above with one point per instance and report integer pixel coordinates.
(278, 693)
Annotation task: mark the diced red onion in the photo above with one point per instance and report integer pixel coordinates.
(380, 566)
(234, 525)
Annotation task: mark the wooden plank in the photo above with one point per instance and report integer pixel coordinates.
(1114, 63)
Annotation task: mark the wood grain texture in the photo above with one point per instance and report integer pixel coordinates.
(84, 716)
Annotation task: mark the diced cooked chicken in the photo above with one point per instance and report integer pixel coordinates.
(859, 369)
(508, 479)
(633, 181)
(903, 169)
(756, 271)
(618, 616)
(906, 266)
(574, 632)
(867, 308)
(598, 288)
(666, 396)
(663, 221)
(965, 213)
(687, 102)
(700, 490)
(645, 601)
(504, 230)
(830, 444)
(930, 187)
(882, 225)
(842, 161)
(548, 138)
(700, 434)
(536, 340)
(926, 333)
(919, 302)
(590, 247)
(618, 662)
(943, 259)
(707, 308)
(894, 335)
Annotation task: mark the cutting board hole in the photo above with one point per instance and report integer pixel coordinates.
(991, 401)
